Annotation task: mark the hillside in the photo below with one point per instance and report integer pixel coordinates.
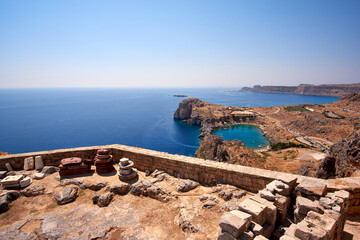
(336, 90)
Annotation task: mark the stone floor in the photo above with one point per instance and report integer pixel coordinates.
(127, 216)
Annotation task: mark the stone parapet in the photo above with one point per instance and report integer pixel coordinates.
(204, 171)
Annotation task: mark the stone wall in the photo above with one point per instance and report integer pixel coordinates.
(204, 171)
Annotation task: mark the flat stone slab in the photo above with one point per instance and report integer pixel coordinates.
(39, 175)
(312, 187)
(11, 180)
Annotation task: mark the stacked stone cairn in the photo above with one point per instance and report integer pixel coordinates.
(126, 171)
(104, 162)
(318, 215)
(258, 216)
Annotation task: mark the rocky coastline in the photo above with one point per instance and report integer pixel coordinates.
(302, 132)
(336, 90)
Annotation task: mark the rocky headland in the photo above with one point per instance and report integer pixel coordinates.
(300, 136)
(336, 90)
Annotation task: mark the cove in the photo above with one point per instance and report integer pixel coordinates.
(249, 134)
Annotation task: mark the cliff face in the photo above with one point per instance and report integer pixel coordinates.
(343, 159)
(209, 116)
(215, 148)
(336, 90)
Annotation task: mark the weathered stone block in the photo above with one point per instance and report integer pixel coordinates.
(306, 230)
(314, 187)
(278, 187)
(256, 228)
(260, 237)
(282, 204)
(257, 210)
(322, 221)
(268, 230)
(226, 236)
(233, 224)
(243, 215)
(247, 235)
(305, 205)
(342, 194)
(290, 231)
(267, 195)
(271, 211)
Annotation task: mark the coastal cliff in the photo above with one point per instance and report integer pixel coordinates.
(343, 159)
(215, 148)
(210, 116)
(335, 90)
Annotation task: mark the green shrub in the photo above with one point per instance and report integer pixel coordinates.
(281, 145)
(297, 109)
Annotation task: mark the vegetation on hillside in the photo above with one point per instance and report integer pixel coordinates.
(297, 109)
(281, 145)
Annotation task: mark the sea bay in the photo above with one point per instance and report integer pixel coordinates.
(46, 119)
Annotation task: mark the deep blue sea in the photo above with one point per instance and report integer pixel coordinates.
(46, 119)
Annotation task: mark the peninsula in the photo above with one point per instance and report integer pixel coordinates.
(336, 90)
(300, 136)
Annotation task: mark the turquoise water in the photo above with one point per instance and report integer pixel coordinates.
(45, 119)
(250, 135)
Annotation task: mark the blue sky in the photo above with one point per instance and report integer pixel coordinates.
(178, 43)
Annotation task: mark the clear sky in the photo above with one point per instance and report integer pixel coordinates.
(224, 43)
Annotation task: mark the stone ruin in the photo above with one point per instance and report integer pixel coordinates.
(126, 171)
(288, 212)
(74, 165)
(104, 162)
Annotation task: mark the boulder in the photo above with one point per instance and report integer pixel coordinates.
(94, 186)
(48, 170)
(239, 193)
(187, 185)
(137, 189)
(120, 189)
(73, 181)
(11, 195)
(33, 191)
(225, 194)
(146, 183)
(103, 200)
(66, 195)
(4, 204)
(209, 204)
